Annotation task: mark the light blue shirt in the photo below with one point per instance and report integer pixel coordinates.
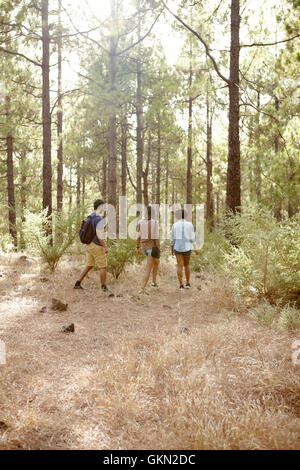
(183, 236)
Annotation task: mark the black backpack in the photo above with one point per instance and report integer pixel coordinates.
(87, 231)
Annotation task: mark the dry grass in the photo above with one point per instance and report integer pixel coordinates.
(172, 371)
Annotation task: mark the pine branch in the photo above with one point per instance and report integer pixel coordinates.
(257, 44)
(207, 50)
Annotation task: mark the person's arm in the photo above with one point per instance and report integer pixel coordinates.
(172, 241)
(101, 239)
(193, 240)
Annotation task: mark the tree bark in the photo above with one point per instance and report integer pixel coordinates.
(78, 185)
(23, 198)
(189, 176)
(124, 138)
(112, 161)
(139, 113)
(47, 164)
(278, 208)
(158, 169)
(59, 203)
(233, 192)
(104, 178)
(11, 190)
(209, 166)
(146, 172)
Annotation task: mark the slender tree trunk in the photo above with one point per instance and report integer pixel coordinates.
(189, 177)
(258, 156)
(146, 172)
(167, 180)
(78, 185)
(71, 191)
(139, 113)
(153, 181)
(59, 203)
(83, 182)
(47, 164)
(124, 138)
(209, 165)
(23, 198)
(104, 178)
(112, 161)
(10, 181)
(233, 193)
(278, 208)
(158, 167)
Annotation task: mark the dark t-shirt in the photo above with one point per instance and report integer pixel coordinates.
(97, 224)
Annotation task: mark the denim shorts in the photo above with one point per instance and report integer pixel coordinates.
(147, 252)
(184, 253)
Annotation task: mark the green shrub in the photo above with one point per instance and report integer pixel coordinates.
(264, 313)
(264, 257)
(6, 243)
(212, 254)
(289, 318)
(120, 254)
(50, 248)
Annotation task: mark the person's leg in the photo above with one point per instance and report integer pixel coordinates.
(155, 269)
(103, 277)
(180, 264)
(149, 265)
(84, 273)
(187, 269)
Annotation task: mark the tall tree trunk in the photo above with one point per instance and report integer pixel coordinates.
(158, 167)
(189, 176)
(146, 172)
(153, 180)
(209, 165)
(23, 198)
(258, 156)
(139, 112)
(233, 193)
(47, 164)
(71, 190)
(124, 138)
(104, 178)
(112, 161)
(78, 184)
(167, 180)
(59, 203)
(278, 208)
(10, 180)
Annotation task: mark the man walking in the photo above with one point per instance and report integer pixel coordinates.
(183, 239)
(96, 250)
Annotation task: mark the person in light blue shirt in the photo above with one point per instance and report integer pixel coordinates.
(183, 240)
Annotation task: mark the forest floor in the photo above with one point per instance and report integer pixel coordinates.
(174, 370)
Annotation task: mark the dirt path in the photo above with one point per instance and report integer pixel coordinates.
(172, 370)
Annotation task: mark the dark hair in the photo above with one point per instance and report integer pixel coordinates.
(180, 214)
(97, 203)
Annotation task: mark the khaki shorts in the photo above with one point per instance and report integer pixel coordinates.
(96, 255)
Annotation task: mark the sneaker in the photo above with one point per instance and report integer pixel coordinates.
(78, 285)
(154, 285)
(143, 292)
(181, 288)
(188, 286)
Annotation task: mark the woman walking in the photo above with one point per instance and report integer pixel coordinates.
(148, 237)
